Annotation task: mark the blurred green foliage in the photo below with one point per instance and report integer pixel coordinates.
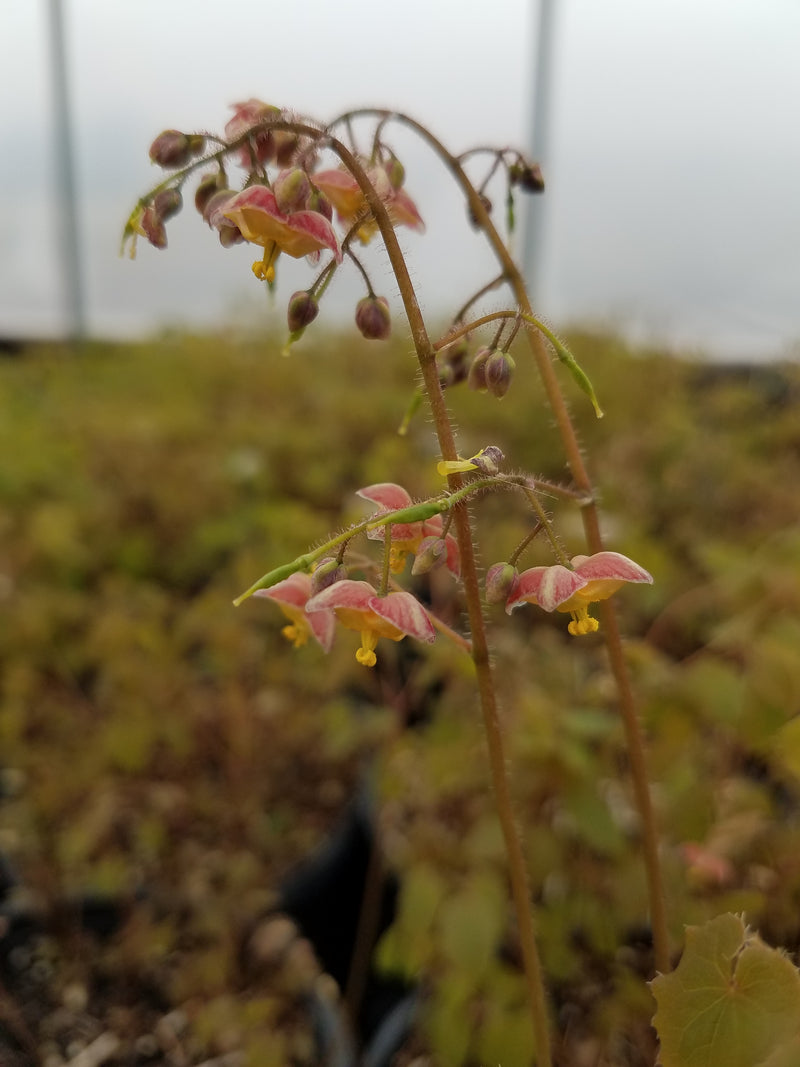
(161, 740)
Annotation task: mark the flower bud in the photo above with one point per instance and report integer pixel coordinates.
(328, 571)
(395, 172)
(175, 149)
(430, 555)
(152, 226)
(302, 310)
(527, 176)
(167, 203)
(291, 189)
(318, 201)
(455, 359)
(209, 185)
(501, 579)
(229, 234)
(499, 372)
(476, 378)
(373, 319)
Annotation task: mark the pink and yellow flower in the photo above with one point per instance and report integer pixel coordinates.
(301, 233)
(357, 606)
(292, 596)
(407, 536)
(572, 589)
(344, 192)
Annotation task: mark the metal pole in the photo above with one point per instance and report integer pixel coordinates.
(64, 171)
(541, 85)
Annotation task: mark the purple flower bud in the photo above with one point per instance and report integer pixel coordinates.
(302, 310)
(499, 372)
(318, 201)
(430, 555)
(476, 378)
(527, 176)
(167, 203)
(373, 319)
(209, 185)
(501, 580)
(175, 149)
(153, 228)
(292, 189)
(327, 572)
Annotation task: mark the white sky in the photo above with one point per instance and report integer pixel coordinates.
(673, 168)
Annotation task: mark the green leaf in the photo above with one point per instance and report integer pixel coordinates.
(732, 1000)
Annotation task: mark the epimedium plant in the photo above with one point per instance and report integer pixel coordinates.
(305, 189)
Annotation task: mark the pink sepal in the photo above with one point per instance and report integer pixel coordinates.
(546, 586)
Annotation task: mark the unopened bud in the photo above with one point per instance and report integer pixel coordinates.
(318, 201)
(327, 572)
(395, 172)
(175, 149)
(431, 554)
(499, 372)
(301, 311)
(456, 360)
(167, 203)
(229, 234)
(152, 226)
(476, 378)
(373, 319)
(291, 189)
(527, 176)
(209, 185)
(501, 578)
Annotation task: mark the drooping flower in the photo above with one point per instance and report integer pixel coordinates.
(301, 233)
(357, 606)
(407, 536)
(247, 114)
(292, 596)
(572, 589)
(345, 194)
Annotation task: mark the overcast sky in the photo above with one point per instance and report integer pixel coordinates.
(673, 167)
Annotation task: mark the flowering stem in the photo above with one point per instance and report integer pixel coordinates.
(591, 524)
(426, 356)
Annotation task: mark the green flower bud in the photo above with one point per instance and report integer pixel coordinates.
(291, 189)
(167, 203)
(430, 555)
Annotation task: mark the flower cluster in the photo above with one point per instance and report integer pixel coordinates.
(286, 204)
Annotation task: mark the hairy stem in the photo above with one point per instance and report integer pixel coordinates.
(518, 875)
(591, 523)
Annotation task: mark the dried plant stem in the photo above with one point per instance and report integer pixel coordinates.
(518, 875)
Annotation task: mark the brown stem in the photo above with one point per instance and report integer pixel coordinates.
(426, 355)
(591, 523)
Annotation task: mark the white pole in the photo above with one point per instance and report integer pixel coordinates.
(541, 86)
(64, 171)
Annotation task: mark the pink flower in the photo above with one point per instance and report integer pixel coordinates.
(255, 211)
(572, 590)
(357, 606)
(247, 115)
(292, 596)
(407, 536)
(345, 194)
